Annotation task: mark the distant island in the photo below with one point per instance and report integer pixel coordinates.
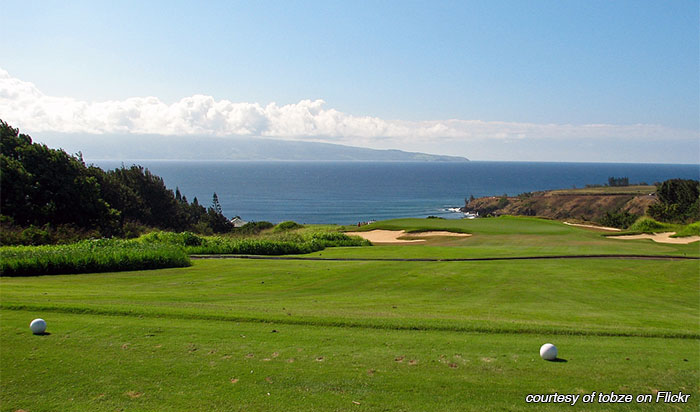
(158, 147)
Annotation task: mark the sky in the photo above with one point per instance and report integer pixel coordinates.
(578, 80)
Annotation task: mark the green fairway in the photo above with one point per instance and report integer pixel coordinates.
(283, 335)
(507, 236)
(593, 296)
(96, 363)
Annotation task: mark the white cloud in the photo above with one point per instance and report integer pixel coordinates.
(23, 105)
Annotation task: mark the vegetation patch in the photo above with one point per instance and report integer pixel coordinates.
(89, 256)
(692, 229)
(650, 225)
(273, 244)
(49, 196)
(288, 225)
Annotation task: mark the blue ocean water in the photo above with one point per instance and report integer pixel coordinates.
(350, 192)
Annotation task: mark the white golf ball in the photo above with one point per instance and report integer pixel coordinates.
(548, 351)
(38, 326)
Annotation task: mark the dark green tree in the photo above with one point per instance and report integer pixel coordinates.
(678, 201)
(216, 205)
(48, 188)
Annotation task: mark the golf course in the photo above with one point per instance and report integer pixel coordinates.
(398, 327)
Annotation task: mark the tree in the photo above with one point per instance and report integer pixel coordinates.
(679, 201)
(216, 205)
(618, 181)
(48, 188)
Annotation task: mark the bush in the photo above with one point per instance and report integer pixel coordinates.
(171, 238)
(11, 234)
(288, 225)
(649, 225)
(692, 229)
(253, 228)
(336, 239)
(620, 220)
(679, 201)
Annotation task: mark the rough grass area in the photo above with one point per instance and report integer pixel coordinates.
(274, 243)
(89, 256)
(692, 229)
(649, 225)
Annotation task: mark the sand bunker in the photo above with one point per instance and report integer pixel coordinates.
(660, 237)
(392, 236)
(612, 229)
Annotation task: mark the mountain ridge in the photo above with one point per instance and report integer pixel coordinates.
(161, 147)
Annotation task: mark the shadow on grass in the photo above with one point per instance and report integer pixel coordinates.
(558, 360)
(42, 334)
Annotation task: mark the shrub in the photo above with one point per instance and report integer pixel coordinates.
(618, 219)
(288, 225)
(253, 228)
(679, 201)
(291, 244)
(11, 234)
(171, 238)
(692, 229)
(649, 225)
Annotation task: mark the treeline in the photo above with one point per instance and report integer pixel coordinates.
(618, 181)
(48, 195)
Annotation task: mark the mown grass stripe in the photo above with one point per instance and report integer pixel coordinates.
(350, 323)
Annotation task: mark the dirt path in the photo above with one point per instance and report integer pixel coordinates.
(392, 236)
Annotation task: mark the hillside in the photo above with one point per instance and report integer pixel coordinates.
(589, 204)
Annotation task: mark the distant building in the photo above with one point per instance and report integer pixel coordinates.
(238, 222)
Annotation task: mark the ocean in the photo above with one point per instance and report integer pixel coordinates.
(351, 192)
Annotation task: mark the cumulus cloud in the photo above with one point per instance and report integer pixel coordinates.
(23, 105)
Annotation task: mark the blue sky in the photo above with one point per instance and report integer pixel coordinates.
(529, 74)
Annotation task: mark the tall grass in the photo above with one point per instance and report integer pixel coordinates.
(88, 256)
(692, 229)
(286, 243)
(648, 225)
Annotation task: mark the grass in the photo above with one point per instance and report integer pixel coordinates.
(692, 229)
(89, 256)
(290, 241)
(648, 225)
(271, 335)
(128, 363)
(456, 296)
(506, 236)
